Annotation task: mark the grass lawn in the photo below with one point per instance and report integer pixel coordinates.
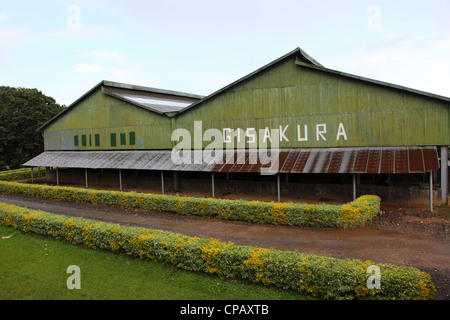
(33, 267)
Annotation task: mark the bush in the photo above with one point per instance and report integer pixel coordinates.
(19, 174)
(321, 277)
(352, 214)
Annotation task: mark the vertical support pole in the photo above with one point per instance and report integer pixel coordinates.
(86, 176)
(175, 181)
(212, 185)
(39, 172)
(431, 191)
(120, 179)
(278, 187)
(32, 173)
(444, 174)
(57, 177)
(354, 186)
(162, 181)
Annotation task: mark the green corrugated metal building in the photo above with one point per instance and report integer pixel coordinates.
(340, 125)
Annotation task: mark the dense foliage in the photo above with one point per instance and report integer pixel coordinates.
(322, 277)
(20, 174)
(352, 214)
(22, 112)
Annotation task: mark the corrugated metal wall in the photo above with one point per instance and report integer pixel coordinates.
(291, 95)
(101, 115)
(314, 108)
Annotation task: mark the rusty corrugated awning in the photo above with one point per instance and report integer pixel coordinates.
(321, 160)
(340, 160)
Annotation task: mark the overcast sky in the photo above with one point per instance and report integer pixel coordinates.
(64, 48)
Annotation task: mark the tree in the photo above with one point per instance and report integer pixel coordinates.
(22, 112)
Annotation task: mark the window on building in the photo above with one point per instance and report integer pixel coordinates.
(113, 140)
(97, 140)
(123, 139)
(75, 141)
(132, 138)
(83, 140)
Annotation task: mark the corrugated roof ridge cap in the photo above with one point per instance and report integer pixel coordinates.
(127, 86)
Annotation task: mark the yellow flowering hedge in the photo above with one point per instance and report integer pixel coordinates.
(19, 174)
(352, 214)
(321, 277)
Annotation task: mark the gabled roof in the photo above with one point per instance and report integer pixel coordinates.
(303, 59)
(156, 100)
(152, 99)
(300, 55)
(171, 103)
(381, 83)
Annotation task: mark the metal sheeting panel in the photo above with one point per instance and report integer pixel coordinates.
(140, 160)
(327, 160)
(343, 160)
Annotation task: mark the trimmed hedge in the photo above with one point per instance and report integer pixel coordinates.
(352, 214)
(19, 174)
(321, 277)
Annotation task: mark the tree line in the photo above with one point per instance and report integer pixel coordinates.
(22, 112)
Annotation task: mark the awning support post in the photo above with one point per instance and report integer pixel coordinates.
(162, 181)
(57, 177)
(212, 184)
(444, 174)
(32, 171)
(175, 181)
(354, 187)
(431, 191)
(120, 179)
(86, 176)
(278, 187)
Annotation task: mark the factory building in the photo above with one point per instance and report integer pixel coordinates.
(292, 129)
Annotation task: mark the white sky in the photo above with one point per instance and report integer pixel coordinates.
(64, 48)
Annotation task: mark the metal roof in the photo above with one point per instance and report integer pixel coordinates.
(164, 101)
(153, 101)
(303, 59)
(326, 160)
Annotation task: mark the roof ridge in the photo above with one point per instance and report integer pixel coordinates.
(127, 86)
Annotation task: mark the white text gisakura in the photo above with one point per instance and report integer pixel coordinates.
(252, 136)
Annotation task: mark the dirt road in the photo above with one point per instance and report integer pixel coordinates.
(401, 236)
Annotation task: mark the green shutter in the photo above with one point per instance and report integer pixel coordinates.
(113, 139)
(123, 139)
(75, 141)
(83, 140)
(132, 138)
(97, 140)
(90, 140)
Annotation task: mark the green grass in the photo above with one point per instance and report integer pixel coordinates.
(33, 267)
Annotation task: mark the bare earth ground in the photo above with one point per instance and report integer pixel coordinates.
(410, 236)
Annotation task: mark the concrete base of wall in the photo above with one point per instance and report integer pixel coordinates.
(247, 187)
